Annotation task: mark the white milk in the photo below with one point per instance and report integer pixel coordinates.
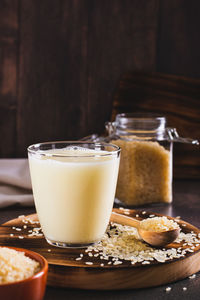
(74, 195)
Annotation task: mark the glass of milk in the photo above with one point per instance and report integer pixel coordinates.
(74, 187)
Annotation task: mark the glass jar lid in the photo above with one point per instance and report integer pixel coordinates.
(140, 125)
(145, 126)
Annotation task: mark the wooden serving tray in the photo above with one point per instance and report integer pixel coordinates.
(66, 271)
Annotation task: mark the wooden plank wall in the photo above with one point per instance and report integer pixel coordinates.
(60, 61)
(9, 30)
(175, 97)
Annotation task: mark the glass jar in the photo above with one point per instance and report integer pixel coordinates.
(145, 174)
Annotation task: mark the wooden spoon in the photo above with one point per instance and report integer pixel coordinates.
(153, 238)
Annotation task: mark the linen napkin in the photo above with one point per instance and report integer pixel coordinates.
(15, 183)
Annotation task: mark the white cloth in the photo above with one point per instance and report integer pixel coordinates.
(15, 183)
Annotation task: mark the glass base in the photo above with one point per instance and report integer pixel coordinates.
(68, 245)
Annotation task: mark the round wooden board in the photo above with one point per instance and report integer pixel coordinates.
(66, 271)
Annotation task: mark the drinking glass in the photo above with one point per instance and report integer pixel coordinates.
(74, 187)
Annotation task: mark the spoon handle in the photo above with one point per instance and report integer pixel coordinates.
(124, 220)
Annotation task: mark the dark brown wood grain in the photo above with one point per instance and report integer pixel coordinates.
(66, 271)
(71, 57)
(178, 41)
(121, 36)
(8, 76)
(60, 61)
(177, 98)
(40, 98)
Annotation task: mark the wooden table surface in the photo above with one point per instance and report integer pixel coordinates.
(186, 204)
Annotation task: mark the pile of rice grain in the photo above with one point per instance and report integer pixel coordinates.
(15, 266)
(158, 224)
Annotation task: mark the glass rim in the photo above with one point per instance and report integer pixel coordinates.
(43, 152)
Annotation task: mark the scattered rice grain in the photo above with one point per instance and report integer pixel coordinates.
(126, 213)
(122, 243)
(18, 229)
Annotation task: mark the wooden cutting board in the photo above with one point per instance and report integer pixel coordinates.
(66, 271)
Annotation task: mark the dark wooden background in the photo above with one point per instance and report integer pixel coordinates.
(61, 61)
(175, 97)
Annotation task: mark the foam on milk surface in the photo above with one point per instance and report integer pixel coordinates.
(74, 155)
(75, 150)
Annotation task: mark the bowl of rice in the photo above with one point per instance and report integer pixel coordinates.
(23, 274)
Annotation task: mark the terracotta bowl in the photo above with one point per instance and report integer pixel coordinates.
(32, 288)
